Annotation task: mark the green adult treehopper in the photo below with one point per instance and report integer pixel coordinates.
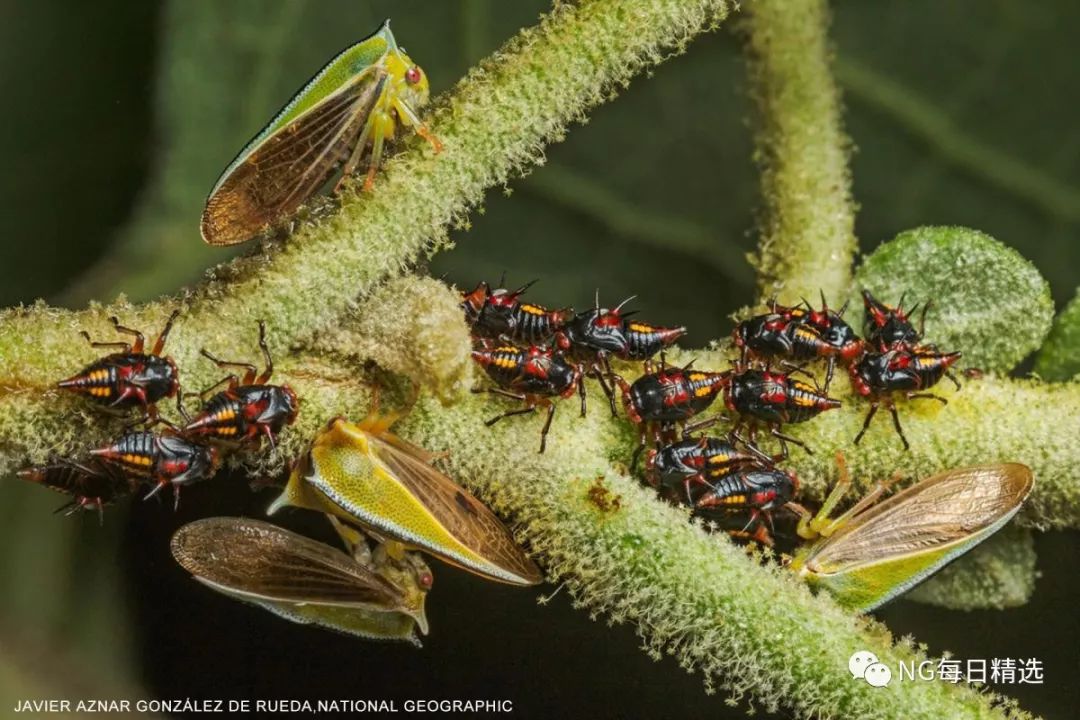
(876, 552)
(355, 101)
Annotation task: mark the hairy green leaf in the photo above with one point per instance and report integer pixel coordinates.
(998, 574)
(1059, 358)
(986, 300)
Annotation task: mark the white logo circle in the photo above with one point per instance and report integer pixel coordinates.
(878, 674)
(860, 661)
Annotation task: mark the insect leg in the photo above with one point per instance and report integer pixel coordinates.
(896, 424)
(866, 422)
(624, 387)
(922, 318)
(642, 440)
(157, 489)
(761, 534)
(828, 527)
(696, 479)
(353, 539)
(927, 396)
(379, 132)
(952, 377)
(755, 517)
(139, 339)
(501, 392)
(409, 116)
(805, 518)
(158, 420)
(791, 368)
(581, 392)
(783, 448)
(148, 419)
(608, 390)
(159, 344)
(509, 413)
(261, 380)
(181, 409)
(123, 346)
(694, 427)
(357, 153)
(810, 526)
(866, 501)
(547, 425)
(230, 379)
(435, 143)
(754, 449)
(830, 366)
(130, 391)
(249, 369)
(775, 432)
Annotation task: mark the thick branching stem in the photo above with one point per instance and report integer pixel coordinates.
(751, 628)
(808, 220)
(687, 593)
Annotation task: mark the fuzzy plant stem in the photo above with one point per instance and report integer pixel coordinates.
(493, 125)
(807, 224)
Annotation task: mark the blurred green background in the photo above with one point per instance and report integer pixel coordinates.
(121, 115)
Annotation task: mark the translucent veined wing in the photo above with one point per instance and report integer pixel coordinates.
(272, 180)
(947, 508)
(462, 514)
(259, 561)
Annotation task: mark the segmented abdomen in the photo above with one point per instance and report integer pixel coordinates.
(98, 380)
(644, 341)
(504, 365)
(804, 403)
(930, 368)
(722, 454)
(727, 490)
(807, 343)
(136, 452)
(534, 324)
(223, 416)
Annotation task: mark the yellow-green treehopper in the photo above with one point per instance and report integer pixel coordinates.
(306, 581)
(876, 552)
(363, 474)
(355, 101)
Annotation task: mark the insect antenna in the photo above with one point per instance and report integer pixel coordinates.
(523, 288)
(620, 305)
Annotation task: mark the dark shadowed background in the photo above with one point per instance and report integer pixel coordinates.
(119, 117)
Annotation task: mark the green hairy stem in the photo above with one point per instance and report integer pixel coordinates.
(751, 628)
(808, 222)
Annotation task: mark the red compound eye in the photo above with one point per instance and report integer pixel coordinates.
(426, 580)
(413, 75)
(610, 319)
